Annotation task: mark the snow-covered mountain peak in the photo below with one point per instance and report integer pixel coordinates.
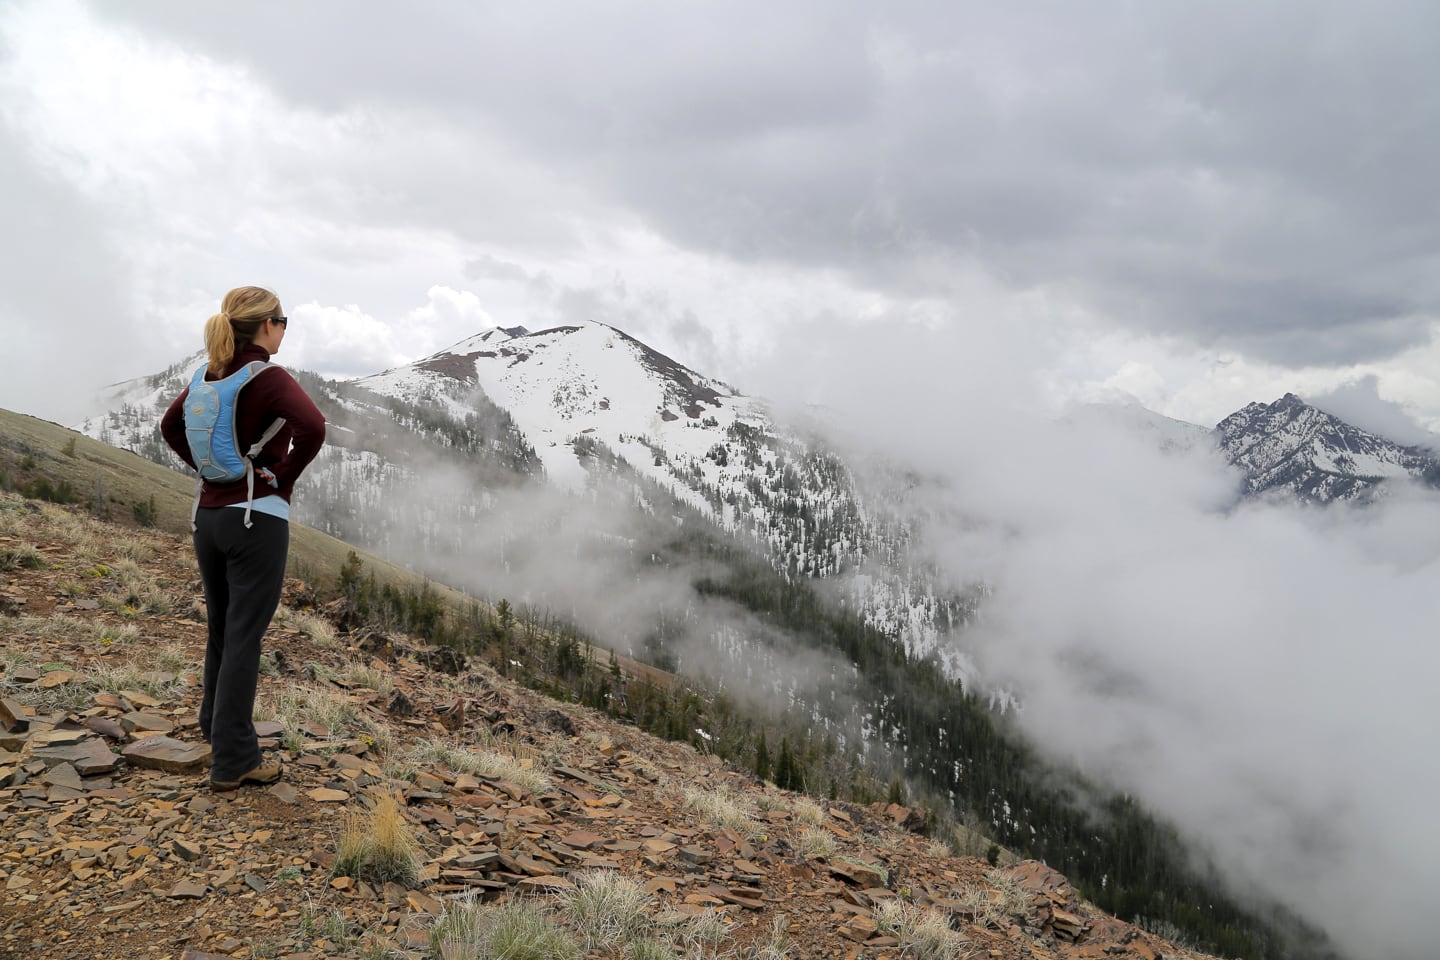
(575, 380)
(1291, 445)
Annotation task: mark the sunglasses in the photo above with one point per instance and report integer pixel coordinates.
(283, 321)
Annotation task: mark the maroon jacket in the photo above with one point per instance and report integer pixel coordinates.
(272, 394)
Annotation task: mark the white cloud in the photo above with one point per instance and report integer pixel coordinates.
(1259, 676)
(447, 316)
(339, 342)
(1359, 402)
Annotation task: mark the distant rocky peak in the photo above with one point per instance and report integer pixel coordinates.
(1289, 445)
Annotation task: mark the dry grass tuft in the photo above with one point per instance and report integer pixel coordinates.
(649, 948)
(316, 628)
(923, 934)
(479, 763)
(807, 811)
(767, 802)
(607, 909)
(137, 548)
(723, 809)
(777, 944)
(1013, 898)
(514, 930)
(21, 556)
(130, 588)
(68, 697)
(996, 901)
(703, 931)
(379, 846)
(109, 634)
(815, 844)
(364, 675)
(155, 672)
(296, 705)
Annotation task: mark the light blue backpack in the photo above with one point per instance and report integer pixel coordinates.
(210, 433)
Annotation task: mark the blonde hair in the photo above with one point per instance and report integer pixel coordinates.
(241, 315)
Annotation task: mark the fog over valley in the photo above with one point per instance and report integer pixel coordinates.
(1255, 671)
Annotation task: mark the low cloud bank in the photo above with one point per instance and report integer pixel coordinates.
(1258, 674)
(602, 560)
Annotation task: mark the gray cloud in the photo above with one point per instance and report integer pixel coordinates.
(1359, 402)
(1250, 178)
(62, 277)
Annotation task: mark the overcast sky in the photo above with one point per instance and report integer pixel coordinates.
(1198, 205)
(964, 215)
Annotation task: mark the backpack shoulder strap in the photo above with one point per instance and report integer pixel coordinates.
(253, 369)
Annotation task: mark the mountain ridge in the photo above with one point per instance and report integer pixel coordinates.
(1291, 447)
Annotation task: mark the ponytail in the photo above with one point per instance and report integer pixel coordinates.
(242, 313)
(219, 342)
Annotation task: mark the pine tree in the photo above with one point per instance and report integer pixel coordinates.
(788, 774)
(762, 757)
(350, 575)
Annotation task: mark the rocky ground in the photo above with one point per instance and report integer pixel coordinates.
(113, 845)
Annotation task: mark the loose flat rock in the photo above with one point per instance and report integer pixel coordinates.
(168, 754)
(139, 699)
(13, 716)
(582, 840)
(327, 795)
(284, 792)
(63, 775)
(187, 890)
(546, 884)
(106, 728)
(862, 875)
(424, 903)
(58, 738)
(186, 850)
(696, 855)
(88, 757)
(138, 722)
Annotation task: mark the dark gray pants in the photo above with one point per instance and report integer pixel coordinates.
(243, 571)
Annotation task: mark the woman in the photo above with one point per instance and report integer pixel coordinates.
(242, 552)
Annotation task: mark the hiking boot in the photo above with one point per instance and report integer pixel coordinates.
(267, 772)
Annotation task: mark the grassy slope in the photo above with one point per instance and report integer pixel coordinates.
(102, 474)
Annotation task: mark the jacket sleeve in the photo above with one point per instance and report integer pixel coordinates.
(172, 428)
(304, 424)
